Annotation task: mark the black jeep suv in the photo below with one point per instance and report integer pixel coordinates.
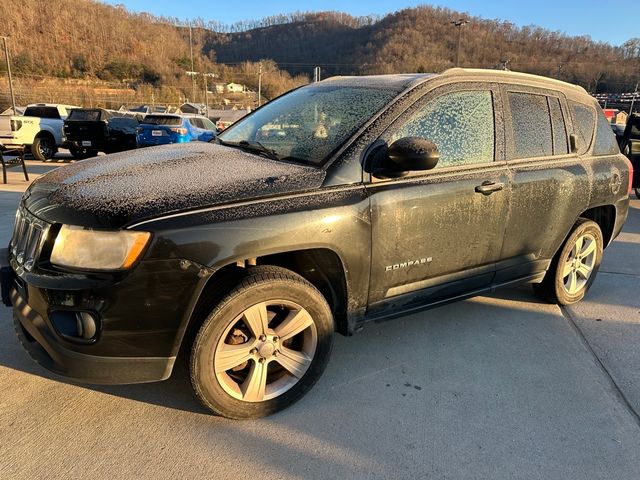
(337, 204)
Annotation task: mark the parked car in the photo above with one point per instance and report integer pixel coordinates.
(629, 142)
(39, 129)
(91, 130)
(162, 129)
(382, 196)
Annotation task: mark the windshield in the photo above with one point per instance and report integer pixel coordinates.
(309, 124)
(162, 120)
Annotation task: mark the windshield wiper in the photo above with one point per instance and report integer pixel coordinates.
(253, 147)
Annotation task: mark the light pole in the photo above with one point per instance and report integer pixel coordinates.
(459, 24)
(6, 56)
(193, 78)
(260, 84)
(633, 99)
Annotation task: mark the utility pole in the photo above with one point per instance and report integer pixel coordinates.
(633, 99)
(260, 84)
(459, 24)
(6, 56)
(316, 74)
(193, 78)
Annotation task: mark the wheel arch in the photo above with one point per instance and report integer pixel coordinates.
(605, 217)
(322, 267)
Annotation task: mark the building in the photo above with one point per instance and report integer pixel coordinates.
(234, 88)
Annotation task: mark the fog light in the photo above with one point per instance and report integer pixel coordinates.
(74, 325)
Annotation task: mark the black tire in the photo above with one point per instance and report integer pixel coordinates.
(553, 289)
(637, 192)
(43, 147)
(260, 285)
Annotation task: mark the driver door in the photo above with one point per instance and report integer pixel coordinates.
(437, 234)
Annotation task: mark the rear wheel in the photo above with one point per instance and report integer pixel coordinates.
(263, 346)
(574, 267)
(43, 148)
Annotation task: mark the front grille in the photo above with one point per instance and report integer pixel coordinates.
(29, 234)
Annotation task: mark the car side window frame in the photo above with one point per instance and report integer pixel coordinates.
(505, 89)
(422, 101)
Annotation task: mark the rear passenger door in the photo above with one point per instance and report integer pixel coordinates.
(549, 183)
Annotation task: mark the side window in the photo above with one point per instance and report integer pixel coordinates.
(208, 124)
(606, 143)
(461, 125)
(560, 145)
(584, 119)
(531, 125)
(194, 122)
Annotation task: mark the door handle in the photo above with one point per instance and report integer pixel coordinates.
(488, 187)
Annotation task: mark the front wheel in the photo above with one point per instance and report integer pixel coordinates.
(575, 266)
(263, 347)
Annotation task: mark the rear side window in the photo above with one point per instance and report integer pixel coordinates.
(606, 143)
(532, 136)
(42, 112)
(162, 120)
(560, 145)
(460, 124)
(584, 119)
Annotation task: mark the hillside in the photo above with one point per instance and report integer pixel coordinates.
(53, 41)
(67, 50)
(422, 39)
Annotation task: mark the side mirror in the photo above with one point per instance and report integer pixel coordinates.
(408, 154)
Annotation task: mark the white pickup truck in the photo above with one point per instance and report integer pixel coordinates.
(40, 129)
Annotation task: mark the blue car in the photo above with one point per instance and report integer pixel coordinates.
(162, 129)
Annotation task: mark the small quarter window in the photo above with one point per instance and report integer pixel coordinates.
(584, 119)
(460, 124)
(606, 143)
(531, 122)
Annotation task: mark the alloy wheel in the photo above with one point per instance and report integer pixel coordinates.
(265, 351)
(580, 263)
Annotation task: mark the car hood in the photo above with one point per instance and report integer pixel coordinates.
(117, 190)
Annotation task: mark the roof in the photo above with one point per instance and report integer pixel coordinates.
(398, 81)
(507, 75)
(401, 82)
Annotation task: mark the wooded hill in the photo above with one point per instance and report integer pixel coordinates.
(422, 39)
(91, 41)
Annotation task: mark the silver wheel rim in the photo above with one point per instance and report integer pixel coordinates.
(265, 351)
(579, 264)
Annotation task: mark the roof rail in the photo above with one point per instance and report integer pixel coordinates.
(510, 74)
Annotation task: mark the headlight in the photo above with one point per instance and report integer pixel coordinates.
(81, 248)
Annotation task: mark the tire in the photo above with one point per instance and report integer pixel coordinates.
(266, 371)
(43, 148)
(564, 288)
(637, 192)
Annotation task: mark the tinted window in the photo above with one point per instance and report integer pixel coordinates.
(162, 120)
(560, 145)
(208, 124)
(584, 122)
(605, 138)
(84, 115)
(459, 123)
(531, 125)
(42, 112)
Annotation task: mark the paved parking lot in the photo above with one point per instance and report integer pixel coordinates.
(501, 386)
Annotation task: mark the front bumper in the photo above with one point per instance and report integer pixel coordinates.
(142, 320)
(45, 349)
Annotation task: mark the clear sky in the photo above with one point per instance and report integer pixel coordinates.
(602, 20)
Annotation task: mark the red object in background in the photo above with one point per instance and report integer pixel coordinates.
(610, 113)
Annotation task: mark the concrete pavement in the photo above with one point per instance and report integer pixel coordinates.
(501, 386)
